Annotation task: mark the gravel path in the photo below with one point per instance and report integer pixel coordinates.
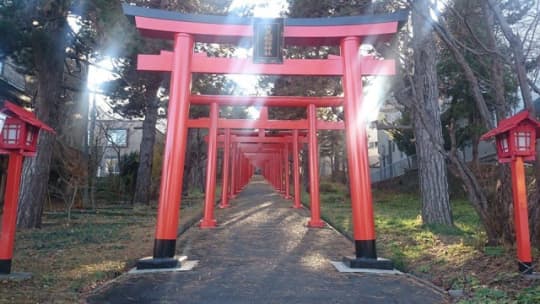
(262, 252)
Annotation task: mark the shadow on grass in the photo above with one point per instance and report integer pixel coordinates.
(401, 236)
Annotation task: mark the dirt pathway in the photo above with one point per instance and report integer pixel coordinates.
(262, 252)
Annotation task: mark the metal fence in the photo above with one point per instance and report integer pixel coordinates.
(395, 169)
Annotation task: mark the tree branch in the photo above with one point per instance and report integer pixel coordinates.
(481, 104)
(516, 45)
(387, 126)
(533, 86)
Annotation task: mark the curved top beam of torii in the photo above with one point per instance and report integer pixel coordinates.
(315, 31)
(298, 31)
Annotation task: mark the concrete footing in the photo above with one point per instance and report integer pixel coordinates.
(342, 267)
(16, 276)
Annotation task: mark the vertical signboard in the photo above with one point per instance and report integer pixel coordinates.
(268, 40)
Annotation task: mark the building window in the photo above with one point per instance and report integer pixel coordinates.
(111, 166)
(117, 137)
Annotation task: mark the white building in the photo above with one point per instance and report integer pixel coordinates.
(117, 138)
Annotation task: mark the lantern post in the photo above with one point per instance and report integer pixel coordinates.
(521, 217)
(19, 131)
(9, 218)
(516, 143)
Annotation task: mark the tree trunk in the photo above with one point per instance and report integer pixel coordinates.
(49, 55)
(143, 184)
(93, 151)
(432, 166)
(475, 155)
(499, 211)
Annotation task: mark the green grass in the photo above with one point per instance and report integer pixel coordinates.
(451, 257)
(70, 258)
(398, 222)
(87, 233)
(530, 295)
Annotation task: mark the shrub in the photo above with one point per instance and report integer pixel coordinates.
(328, 187)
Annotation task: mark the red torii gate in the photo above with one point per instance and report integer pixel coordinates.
(268, 146)
(185, 30)
(243, 137)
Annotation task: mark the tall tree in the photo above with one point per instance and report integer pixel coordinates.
(136, 94)
(36, 33)
(477, 49)
(38, 36)
(432, 166)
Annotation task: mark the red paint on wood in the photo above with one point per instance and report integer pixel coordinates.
(175, 145)
(11, 200)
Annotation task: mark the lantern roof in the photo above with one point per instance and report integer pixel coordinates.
(24, 115)
(509, 123)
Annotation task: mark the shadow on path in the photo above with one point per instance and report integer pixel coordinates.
(262, 252)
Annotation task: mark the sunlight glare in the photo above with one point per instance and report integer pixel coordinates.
(374, 97)
(437, 8)
(248, 84)
(262, 8)
(253, 112)
(375, 90)
(99, 73)
(73, 22)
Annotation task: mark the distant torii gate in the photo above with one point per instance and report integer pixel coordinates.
(185, 30)
(258, 138)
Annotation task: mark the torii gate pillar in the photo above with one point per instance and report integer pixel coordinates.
(287, 173)
(208, 220)
(234, 169)
(296, 171)
(315, 221)
(226, 170)
(360, 181)
(174, 156)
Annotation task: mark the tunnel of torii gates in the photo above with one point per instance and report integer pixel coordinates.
(246, 143)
